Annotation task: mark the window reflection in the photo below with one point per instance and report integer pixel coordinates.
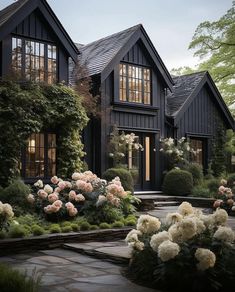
(134, 84)
(36, 66)
(40, 155)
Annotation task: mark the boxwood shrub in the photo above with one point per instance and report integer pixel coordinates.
(197, 172)
(178, 183)
(124, 175)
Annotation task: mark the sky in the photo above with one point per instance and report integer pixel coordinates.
(170, 24)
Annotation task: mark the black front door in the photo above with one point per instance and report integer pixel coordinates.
(140, 162)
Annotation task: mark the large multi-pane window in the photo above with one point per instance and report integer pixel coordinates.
(39, 157)
(36, 61)
(134, 84)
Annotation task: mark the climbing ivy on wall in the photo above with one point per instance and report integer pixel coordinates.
(27, 108)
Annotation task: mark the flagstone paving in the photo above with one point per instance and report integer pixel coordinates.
(73, 270)
(64, 270)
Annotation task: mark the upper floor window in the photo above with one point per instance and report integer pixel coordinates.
(36, 61)
(39, 156)
(134, 84)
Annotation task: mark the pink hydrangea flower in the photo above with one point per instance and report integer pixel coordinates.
(62, 185)
(58, 203)
(42, 194)
(30, 199)
(69, 205)
(53, 197)
(54, 180)
(72, 195)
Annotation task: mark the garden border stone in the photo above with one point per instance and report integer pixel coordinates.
(49, 241)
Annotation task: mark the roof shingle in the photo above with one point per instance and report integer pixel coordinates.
(183, 87)
(97, 55)
(10, 10)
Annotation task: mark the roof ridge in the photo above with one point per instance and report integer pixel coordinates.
(112, 35)
(188, 74)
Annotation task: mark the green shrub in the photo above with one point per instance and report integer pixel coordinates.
(55, 228)
(178, 182)
(199, 191)
(18, 231)
(104, 225)
(197, 172)
(124, 175)
(213, 185)
(12, 280)
(16, 195)
(94, 227)
(66, 229)
(84, 226)
(37, 230)
(75, 227)
(118, 224)
(65, 223)
(130, 222)
(231, 180)
(28, 219)
(2, 234)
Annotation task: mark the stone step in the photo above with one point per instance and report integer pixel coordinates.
(117, 252)
(165, 203)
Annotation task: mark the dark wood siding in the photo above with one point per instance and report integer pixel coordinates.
(133, 117)
(202, 117)
(35, 26)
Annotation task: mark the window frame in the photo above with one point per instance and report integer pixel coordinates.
(22, 69)
(143, 80)
(46, 175)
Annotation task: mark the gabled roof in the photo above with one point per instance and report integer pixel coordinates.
(184, 91)
(13, 14)
(101, 56)
(183, 87)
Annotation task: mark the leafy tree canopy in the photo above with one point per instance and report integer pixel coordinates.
(214, 43)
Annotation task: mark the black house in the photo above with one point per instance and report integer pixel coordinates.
(138, 94)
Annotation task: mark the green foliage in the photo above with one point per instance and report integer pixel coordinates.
(118, 224)
(214, 43)
(196, 170)
(55, 228)
(67, 229)
(218, 152)
(27, 108)
(16, 195)
(12, 280)
(230, 142)
(231, 180)
(94, 227)
(124, 175)
(200, 191)
(178, 182)
(213, 185)
(103, 213)
(37, 230)
(65, 223)
(2, 235)
(104, 225)
(84, 226)
(18, 231)
(75, 227)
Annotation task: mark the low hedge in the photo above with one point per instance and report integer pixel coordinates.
(178, 183)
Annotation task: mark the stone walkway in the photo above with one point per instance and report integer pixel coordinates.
(67, 271)
(85, 267)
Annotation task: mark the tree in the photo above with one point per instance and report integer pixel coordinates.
(215, 45)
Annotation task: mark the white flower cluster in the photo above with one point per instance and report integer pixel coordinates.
(186, 226)
(6, 211)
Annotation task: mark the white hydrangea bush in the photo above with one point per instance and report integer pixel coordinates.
(6, 215)
(186, 241)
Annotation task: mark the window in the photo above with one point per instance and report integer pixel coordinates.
(35, 60)
(134, 84)
(39, 157)
(197, 145)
